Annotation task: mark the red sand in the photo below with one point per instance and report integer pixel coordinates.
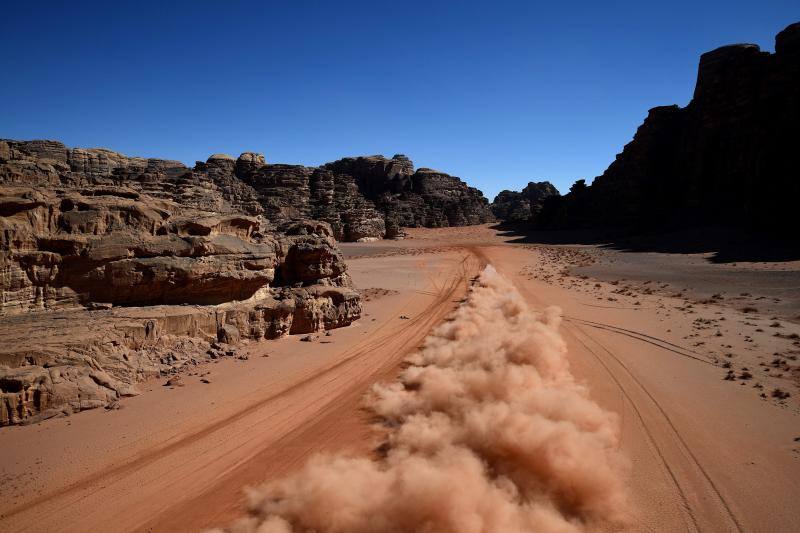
(707, 454)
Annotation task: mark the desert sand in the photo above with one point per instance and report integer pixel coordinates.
(698, 381)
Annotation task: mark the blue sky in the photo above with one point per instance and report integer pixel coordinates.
(499, 93)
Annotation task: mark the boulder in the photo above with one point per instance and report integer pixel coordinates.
(249, 162)
(229, 334)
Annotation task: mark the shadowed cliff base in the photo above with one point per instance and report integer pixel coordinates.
(726, 245)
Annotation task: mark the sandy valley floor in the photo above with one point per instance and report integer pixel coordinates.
(697, 367)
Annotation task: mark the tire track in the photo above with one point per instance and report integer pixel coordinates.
(686, 449)
(648, 432)
(412, 331)
(655, 341)
(689, 518)
(347, 394)
(574, 326)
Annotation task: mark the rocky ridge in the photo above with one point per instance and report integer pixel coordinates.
(365, 198)
(728, 157)
(114, 269)
(413, 198)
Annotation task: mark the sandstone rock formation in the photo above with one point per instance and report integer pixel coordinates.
(113, 269)
(409, 198)
(728, 157)
(524, 206)
(365, 198)
(290, 192)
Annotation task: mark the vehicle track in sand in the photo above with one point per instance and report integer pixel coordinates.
(643, 337)
(321, 425)
(684, 448)
(195, 479)
(703, 506)
(686, 507)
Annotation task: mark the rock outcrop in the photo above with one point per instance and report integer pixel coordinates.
(511, 206)
(362, 198)
(524, 206)
(365, 198)
(409, 198)
(114, 269)
(291, 192)
(729, 157)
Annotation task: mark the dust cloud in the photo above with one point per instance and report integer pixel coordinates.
(488, 431)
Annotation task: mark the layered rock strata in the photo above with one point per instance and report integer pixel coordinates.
(113, 269)
(413, 198)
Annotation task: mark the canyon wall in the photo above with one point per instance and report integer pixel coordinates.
(413, 198)
(728, 158)
(365, 198)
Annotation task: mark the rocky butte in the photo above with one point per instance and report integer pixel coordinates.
(114, 269)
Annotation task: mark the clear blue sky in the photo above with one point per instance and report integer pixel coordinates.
(498, 93)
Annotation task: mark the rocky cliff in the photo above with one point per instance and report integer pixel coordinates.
(290, 192)
(523, 206)
(729, 157)
(367, 197)
(413, 198)
(114, 269)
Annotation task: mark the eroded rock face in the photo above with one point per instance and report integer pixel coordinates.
(125, 268)
(524, 206)
(729, 157)
(283, 190)
(409, 198)
(511, 206)
(337, 199)
(363, 198)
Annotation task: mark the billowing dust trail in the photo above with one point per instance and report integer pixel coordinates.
(487, 431)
